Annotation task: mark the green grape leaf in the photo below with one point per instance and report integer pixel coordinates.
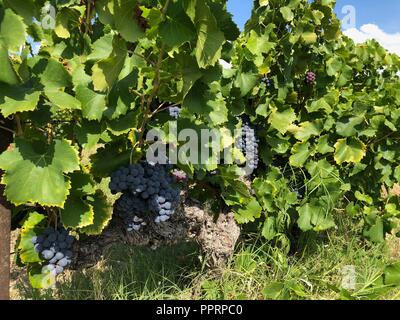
(66, 18)
(17, 99)
(174, 31)
(26, 250)
(323, 146)
(39, 280)
(108, 159)
(375, 232)
(347, 129)
(307, 129)
(309, 37)
(209, 37)
(124, 124)
(7, 74)
(88, 133)
(246, 82)
(249, 212)
(269, 229)
(93, 104)
(312, 216)
(24, 8)
(350, 150)
(103, 210)
(105, 72)
(321, 104)
(34, 172)
(12, 30)
(55, 76)
(102, 48)
(287, 13)
(363, 197)
(300, 154)
(281, 121)
(105, 10)
(124, 20)
(392, 274)
(63, 100)
(77, 212)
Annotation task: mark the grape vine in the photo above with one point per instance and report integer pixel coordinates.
(320, 131)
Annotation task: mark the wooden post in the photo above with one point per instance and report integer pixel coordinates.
(5, 225)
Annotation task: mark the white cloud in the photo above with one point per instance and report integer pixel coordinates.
(390, 41)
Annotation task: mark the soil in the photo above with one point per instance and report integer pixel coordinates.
(191, 222)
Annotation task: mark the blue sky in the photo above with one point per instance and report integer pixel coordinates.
(383, 13)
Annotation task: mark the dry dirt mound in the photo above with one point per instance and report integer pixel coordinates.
(191, 222)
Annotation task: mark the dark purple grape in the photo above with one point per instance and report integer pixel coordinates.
(47, 254)
(59, 269)
(63, 245)
(69, 240)
(40, 238)
(63, 262)
(38, 247)
(59, 255)
(53, 260)
(52, 237)
(46, 243)
(310, 78)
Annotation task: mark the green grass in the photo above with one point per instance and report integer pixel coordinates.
(256, 271)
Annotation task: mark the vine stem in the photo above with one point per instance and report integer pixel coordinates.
(88, 13)
(20, 132)
(7, 129)
(162, 108)
(147, 104)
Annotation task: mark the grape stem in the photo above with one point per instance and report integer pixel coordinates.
(20, 132)
(146, 105)
(160, 107)
(88, 13)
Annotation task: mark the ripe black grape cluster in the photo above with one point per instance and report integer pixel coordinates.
(146, 188)
(311, 77)
(248, 144)
(54, 246)
(174, 112)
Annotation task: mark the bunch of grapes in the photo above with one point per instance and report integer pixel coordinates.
(268, 82)
(174, 112)
(310, 78)
(146, 188)
(248, 144)
(54, 246)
